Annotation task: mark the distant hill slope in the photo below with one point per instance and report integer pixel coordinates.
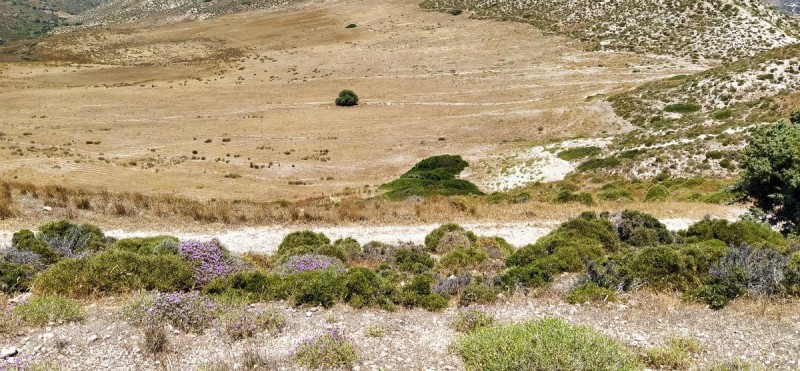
(22, 19)
(717, 29)
(154, 12)
(789, 6)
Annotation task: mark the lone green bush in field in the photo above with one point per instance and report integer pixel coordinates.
(114, 272)
(770, 175)
(347, 98)
(546, 344)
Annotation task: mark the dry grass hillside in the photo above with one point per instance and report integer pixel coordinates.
(717, 29)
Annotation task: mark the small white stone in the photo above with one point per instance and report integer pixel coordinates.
(47, 208)
(309, 314)
(91, 338)
(8, 352)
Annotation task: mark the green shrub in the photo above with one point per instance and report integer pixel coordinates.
(41, 310)
(566, 196)
(639, 229)
(545, 344)
(148, 245)
(113, 272)
(525, 276)
(25, 240)
(249, 286)
(590, 291)
(735, 234)
(455, 11)
(330, 351)
(432, 176)
(578, 153)
(682, 108)
(613, 193)
(349, 247)
(364, 288)
(657, 193)
(434, 239)
(464, 258)
(478, 293)
(792, 279)
(469, 320)
(346, 98)
(308, 242)
(734, 365)
(496, 248)
(322, 287)
(675, 355)
(78, 238)
(413, 261)
(599, 163)
(15, 277)
(418, 294)
(663, 268)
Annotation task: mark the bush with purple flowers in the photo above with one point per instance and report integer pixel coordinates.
(468, 320)
(310, 262)
(331, 350)
(244, 322)
(190, 312)
(210, 259)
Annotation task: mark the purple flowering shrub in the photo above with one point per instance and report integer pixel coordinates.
(189, 312)
(331, 350)
(310, 262)
(468, 320)
(210, 260)
(238, 323)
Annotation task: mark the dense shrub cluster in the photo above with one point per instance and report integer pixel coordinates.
(432, 176)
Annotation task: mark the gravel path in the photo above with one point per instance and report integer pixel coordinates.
(267, 239)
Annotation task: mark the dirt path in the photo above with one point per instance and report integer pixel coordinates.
(267, 239)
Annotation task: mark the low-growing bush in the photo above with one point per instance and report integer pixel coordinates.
(209, 259)
(331, 350)
(545, 344)
(148, 245)
(599, 163)
(468, 320)
(42, 310)
(9, 322)
(448, 237)
(591, 291)
(682, 108)
(317, 287)
(244, 322)
(308, 242)
(413, 261)
(478, 293)
(15, 277)
(657, 193)
(675, 355)
(744, 269)
(464, 259)
(310, 262)
(565, 196)
(434, 175)
(114, 272)
(639, 229)
(418, 293)
(70, 240)
(735, 234)
(249, 286)
(189, 312)
(578, 153)
(155, 339)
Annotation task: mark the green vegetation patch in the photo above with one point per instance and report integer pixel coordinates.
(546, 344)
(432, 176)
(578, 153)
(682, 108)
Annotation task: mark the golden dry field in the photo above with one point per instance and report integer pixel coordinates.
(241, 106)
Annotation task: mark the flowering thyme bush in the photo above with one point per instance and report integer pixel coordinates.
(330, 350)
(310, 262)
(210, 259)
(244, 322)
(184, 311)
(468, 320)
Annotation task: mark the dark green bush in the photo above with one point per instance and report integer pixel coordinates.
(745, 269)
(639, 229)
(148, 245)
(565, 196)
(418, 293)
(250, 286)
(478, 293)
(792, 275)
(433, 239)
(413, 261)
(599, 163)
(25, 240)
(464, 259)
(78, 238)
(578, 153)
(113, 272)
(323, 287)
(455, 11)
(347, 98)
(432, 176)
(663, 268)
(682, 108)
(735, 234)
(349, 247)
(308, 242)
(525, 276)
(15, 277)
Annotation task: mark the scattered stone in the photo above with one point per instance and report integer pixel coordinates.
(21, 298)
(8, 352)
(47, 208)
(91, 338)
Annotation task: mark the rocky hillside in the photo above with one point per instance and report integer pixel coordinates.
(717, 29)
(21, 19)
